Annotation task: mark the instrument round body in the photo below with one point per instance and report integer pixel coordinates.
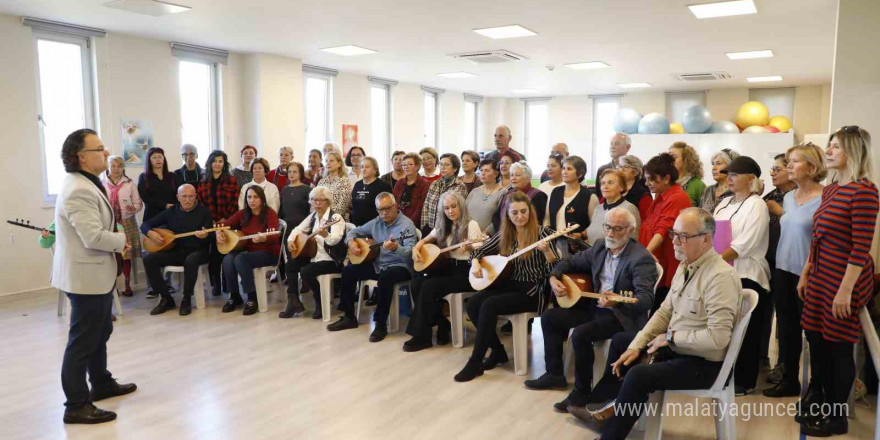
(306, 246)
(367, 254)
(495, 268)
(575, 283)
(232, 241)
(168, 244)
(431, 258)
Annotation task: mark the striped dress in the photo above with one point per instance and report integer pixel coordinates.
(843, 228)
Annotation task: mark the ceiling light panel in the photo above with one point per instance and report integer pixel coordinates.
(723, 9)
(501, 32)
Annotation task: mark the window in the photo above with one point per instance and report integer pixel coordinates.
(380, 122)
(319, 110)
(679, 102)
(66, 100)
(604, 110)
(472, 122)
(779, 101)
(198, 83)
(431, 120)
(537, 133)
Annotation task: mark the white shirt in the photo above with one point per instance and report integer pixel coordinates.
(353, 178)
(547, 187)
(750, 233)
(336, 233)
(436, 172)
(273, 197)
(473, 233)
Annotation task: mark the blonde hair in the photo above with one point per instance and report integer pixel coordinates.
(341, 172)
(508, 229)
(856, 144)
(812, 154)
(690, 160)
(115, 158)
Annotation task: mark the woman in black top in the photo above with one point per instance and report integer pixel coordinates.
(157, 186)
(294, 197)
(524, 291)
(637, 192)
(571, 202)
(363, 195)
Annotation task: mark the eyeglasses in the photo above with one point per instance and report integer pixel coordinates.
(93, 149)
(384, 210)
(776, 170)
(682, 237)
(615, 229)
(320, 200)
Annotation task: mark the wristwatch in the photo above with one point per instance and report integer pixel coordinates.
(669, 337)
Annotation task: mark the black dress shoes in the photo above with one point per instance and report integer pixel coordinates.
(498, 357)
(547, 381)
(88, 414)
(825, 426)
(232, 304)
(416, 344)
(111, 389)
(785, 388)
(250, 308)
(165, 304)
(471, 371)
(379, 333)
(185, 306)
(344, 323)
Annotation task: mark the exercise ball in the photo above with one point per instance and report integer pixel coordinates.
(755, 129)
(782, 123)
(627, 121)
(771, 129)
(654, 123)
(724, 127)
(676, 128)
(697, 119)
(752, 113)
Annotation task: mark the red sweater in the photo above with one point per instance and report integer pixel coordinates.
(413, 208)
(272, 243)
(664, 210)
(280, 180)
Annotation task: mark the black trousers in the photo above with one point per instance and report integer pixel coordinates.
(215, 262)
(590, 324)
(428, 291)
(90, 328)
(309, 272)
(659, 296)
(678, 373)
(789, 309)
(189, 259)
(746, 368)
(485, 307)
(609, 385)
(353, 273)
(834, 369)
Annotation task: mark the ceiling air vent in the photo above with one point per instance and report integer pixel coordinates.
(489, 57)
(702, 76)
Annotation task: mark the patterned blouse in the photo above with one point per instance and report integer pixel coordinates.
(340, 187)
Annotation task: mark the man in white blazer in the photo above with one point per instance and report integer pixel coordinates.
(85, 269)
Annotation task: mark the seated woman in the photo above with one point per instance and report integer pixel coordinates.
(328, 258)
(259, 251)
(428, 289)
(572, 203)
(483, 202)
(521, 181)
(612, 185)
(525, 291)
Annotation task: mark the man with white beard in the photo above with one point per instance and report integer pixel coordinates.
(687, 336)
(618, 264)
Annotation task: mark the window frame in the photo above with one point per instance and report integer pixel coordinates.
(89, 93)
(597, 100)
(527, 102)
(386, 87)
(476, 101)
(216, 110)
(328, 105)
(436, 140)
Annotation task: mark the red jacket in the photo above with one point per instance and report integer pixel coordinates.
(226, 202)
(413, 209)
(272, 243)
(280, 180)
(664, 210)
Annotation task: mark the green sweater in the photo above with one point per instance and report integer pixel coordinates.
(49, 241)
(694, 189)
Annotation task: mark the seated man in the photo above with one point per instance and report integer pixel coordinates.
(189, 252)
(615, 265)
(392, 266)
(687, 336)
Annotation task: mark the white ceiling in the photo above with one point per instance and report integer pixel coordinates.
(643, 40)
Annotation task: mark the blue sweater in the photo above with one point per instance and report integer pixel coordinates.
(379, 231)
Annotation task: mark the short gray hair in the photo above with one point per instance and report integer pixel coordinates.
(320, 192)
(726, 155)
(707, 222)
(524, 167)
(189, 148)
(287, 149)
(633, 161)
(385, 195)
(626, 138)
(630, 218)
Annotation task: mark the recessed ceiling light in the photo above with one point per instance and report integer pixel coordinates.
(348, 51)
(634, 85)
(759, 79)
(524, 91)
(147, 7)
(723, 9)
(512, 31)
(750, 54)
(587, 66)
(457, 75)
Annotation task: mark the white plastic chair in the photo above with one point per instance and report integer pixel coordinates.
(721, 392)
(456, 316)
(261, 275)
(394, 313)
(873, 343)
(520, 324)
(199, 290)
(326, 284)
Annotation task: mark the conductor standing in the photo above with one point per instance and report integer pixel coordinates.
(85, 269)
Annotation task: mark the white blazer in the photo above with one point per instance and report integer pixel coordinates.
(84, 262)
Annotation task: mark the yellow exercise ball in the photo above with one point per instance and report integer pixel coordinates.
(752, 113)
(780, 122)
(676, 128)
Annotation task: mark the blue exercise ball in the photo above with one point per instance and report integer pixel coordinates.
(696, 119)
(654, 123)
(719, 127)
(627, 121)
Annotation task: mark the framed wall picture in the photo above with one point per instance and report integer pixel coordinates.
(349, 137)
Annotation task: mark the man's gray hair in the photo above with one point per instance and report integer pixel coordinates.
(630, 218)
(386, 195)
(626, 138)
(707, 222)
(185, 186)
(507, 129)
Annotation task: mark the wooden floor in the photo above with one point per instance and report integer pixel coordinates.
(227, 376)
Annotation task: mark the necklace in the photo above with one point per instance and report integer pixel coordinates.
(486, 196)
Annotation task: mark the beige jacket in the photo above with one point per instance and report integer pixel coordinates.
(701, 312)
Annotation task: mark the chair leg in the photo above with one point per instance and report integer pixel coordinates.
(520, 344)
(805, 372)
(568, 357)
(654, 421)
(725, 424)
(262, 294)
(456, 318)
(199, 291)
(360, 292)
(600, 355)
(394, 316)
(326, 296)
(61, 299)
(117, 302)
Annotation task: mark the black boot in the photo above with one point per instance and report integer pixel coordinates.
(496, 358)
(471, 370)
(294, 306)
(809, 405)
